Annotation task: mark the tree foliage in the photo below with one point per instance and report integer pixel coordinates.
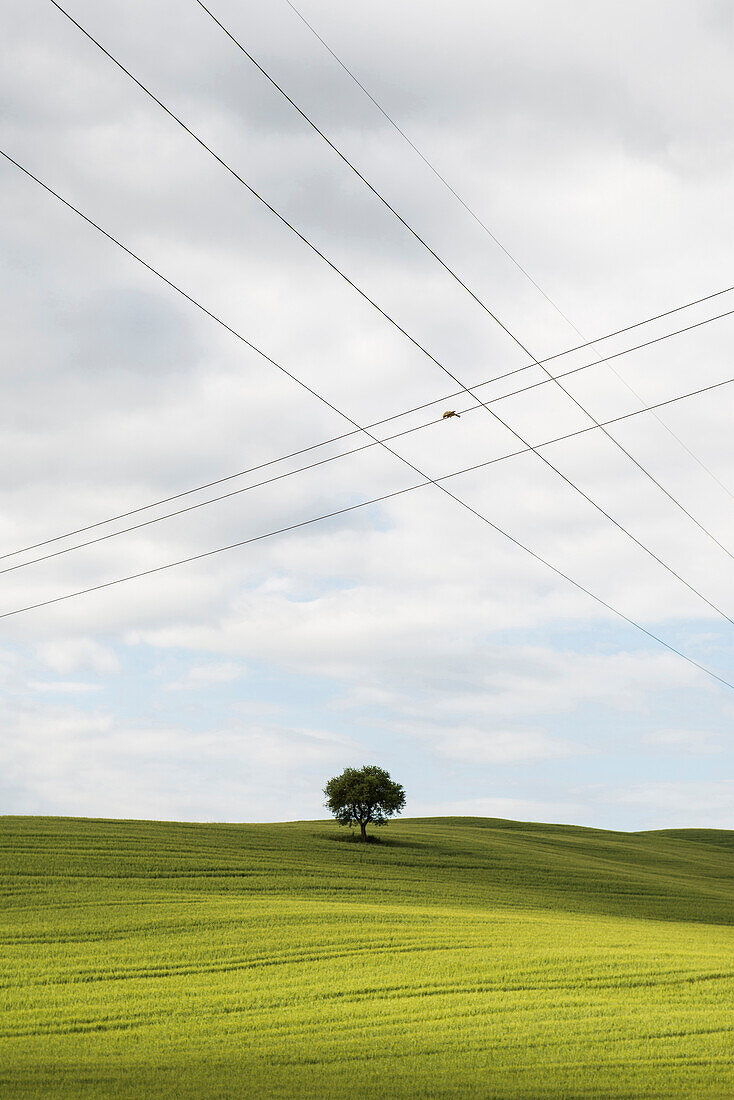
(364, 796)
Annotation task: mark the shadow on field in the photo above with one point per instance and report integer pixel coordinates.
(680, 875)
(382, 841)
(686, 876)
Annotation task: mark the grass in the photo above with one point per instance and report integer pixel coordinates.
(458, 957)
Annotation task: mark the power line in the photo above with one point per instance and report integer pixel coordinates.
(437, 482)
(405, 412)
(356, 450)
(458, 279)
(353, 508)
(391, 320)
(396, 416)
(483, 225)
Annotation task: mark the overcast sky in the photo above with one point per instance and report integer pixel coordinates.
(595, 142)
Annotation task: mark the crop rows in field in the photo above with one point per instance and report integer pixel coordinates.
(457, 958)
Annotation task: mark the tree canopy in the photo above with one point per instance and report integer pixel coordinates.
(364, 796)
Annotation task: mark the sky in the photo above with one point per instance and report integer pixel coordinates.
(595, 143)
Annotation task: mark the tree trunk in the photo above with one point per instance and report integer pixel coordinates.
(363, 827)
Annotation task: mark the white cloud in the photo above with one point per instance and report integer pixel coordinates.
(514, 808)
(63, 687)
(680, 804)
(204, 676)
(686, 740)
(62, 760)
(491, 746)
(608, 180)
(75, 654)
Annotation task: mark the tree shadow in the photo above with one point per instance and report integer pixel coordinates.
(373, 839)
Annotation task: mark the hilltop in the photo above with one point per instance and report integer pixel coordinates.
(456, 957)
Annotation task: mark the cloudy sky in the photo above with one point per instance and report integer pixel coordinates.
(595, 142)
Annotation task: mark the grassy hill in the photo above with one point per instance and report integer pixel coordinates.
(458, 957)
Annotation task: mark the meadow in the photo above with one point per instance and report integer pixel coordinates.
(457, 957)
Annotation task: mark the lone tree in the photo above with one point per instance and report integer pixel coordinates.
(364, 796)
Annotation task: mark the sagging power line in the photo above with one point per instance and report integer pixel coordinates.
(483, 225)
(395, 324)
(357, 450)
(394, 416)
(466, 506)
(438, 482)
(459, 280)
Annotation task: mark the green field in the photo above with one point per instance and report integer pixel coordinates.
(458, 957)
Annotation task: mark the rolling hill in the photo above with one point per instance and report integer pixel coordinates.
(457, 957)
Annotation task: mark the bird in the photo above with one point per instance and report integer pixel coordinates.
(449, 414)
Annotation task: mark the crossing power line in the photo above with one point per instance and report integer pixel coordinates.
(406, 412)
(486, 229)
(457, 278)
(426, 481)
(438, 482)
(399, 328)
(356, 450)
